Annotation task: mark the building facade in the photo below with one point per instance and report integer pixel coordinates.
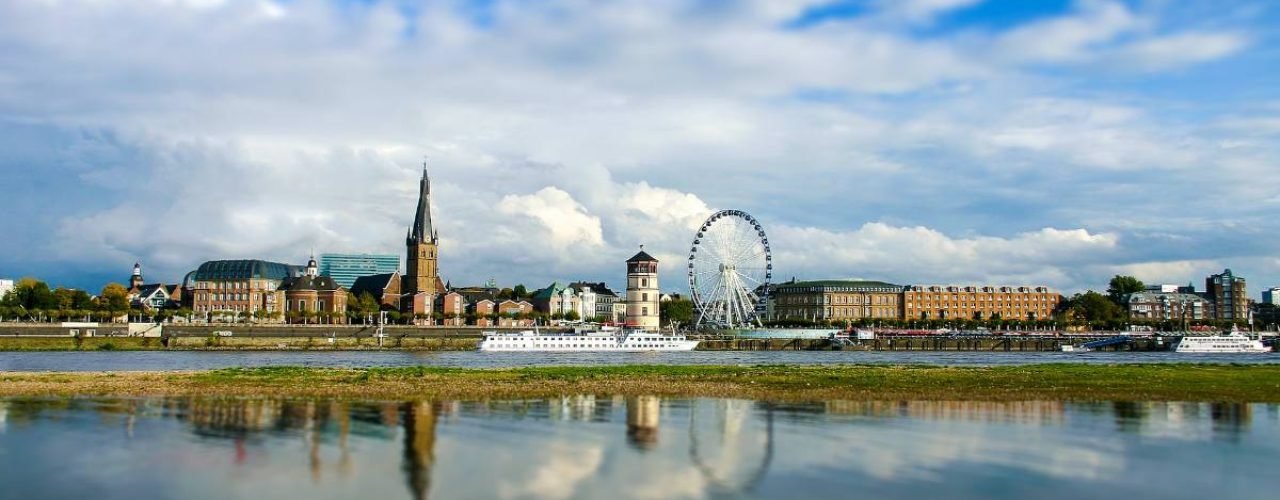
(6, 286)
(979, 302)
(312, 298)
(484, 311)
(453, 306)
(153, 296)
(345, 268)
(1229, 296)
(604, 299)
(219, 289)
(422, 276)
(642, 291)
(835, 300)
(1167, 306)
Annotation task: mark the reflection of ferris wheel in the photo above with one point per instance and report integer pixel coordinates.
(730, 265)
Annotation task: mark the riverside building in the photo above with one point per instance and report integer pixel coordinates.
(1167, 306)
(1229, 296)
(979, 302)
(828, 300)
(230, 287)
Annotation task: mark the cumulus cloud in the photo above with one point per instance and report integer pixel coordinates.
(561, 135)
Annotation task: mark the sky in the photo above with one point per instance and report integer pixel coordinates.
(1050, 143)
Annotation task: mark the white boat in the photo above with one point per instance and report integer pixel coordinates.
(1233, 342)
(605, 340)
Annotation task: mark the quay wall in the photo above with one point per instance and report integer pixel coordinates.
(108, 336)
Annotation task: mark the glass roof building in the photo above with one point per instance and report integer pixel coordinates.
(346, 268)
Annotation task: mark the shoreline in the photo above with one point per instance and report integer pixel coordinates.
(1066, 382)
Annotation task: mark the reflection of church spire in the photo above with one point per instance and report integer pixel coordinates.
(419, 446)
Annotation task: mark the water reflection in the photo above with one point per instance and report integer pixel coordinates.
(641, 446)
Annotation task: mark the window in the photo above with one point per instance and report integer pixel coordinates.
(644, 311)
(644, 297)
(644, 282)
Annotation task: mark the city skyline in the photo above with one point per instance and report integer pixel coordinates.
(959, 141)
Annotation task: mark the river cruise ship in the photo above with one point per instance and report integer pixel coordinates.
(607, 340)
(1233, 342)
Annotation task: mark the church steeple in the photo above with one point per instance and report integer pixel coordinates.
(422, 230)
(421, 275)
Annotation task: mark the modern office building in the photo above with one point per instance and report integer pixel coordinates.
(1229, 295)
(346, 268)
(1270, 296)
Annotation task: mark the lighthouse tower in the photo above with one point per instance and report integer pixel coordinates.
(642, 291)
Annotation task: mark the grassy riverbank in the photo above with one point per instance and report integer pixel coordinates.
(1169, 382)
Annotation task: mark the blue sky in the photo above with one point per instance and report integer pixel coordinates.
(913, 141)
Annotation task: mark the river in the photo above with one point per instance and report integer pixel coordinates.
(633, 447)
(204, 360)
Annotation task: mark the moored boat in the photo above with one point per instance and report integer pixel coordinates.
(1233, 342)
(604, 340)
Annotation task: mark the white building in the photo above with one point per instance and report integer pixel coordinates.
(1270, 296)
(5, 286)
(586, 304)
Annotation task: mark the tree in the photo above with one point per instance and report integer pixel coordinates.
(114, 298)
(31, 294)
(676, 310)
(520, 292)
(1094, 308)
(572, 316)
(1121, 286)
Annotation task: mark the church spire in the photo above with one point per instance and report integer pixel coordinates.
(422, 232)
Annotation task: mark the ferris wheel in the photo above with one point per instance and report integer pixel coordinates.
(730, 266)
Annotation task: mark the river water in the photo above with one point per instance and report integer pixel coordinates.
(632, 447)
(203, 360)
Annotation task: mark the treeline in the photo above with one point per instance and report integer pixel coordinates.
(33, 300)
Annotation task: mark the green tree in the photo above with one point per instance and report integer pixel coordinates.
(572, 316)
(520, 292)
(1094, 308)
(114, 298)
(31, 294)
(676, 310)
(1123, 285)
(70, 298)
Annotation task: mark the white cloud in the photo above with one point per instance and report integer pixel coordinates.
(562, 135)
(1182, 49)
(566, 222)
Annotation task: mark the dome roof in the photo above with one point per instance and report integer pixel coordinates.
(223, 270)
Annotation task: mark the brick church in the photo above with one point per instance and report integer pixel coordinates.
(421, 282)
